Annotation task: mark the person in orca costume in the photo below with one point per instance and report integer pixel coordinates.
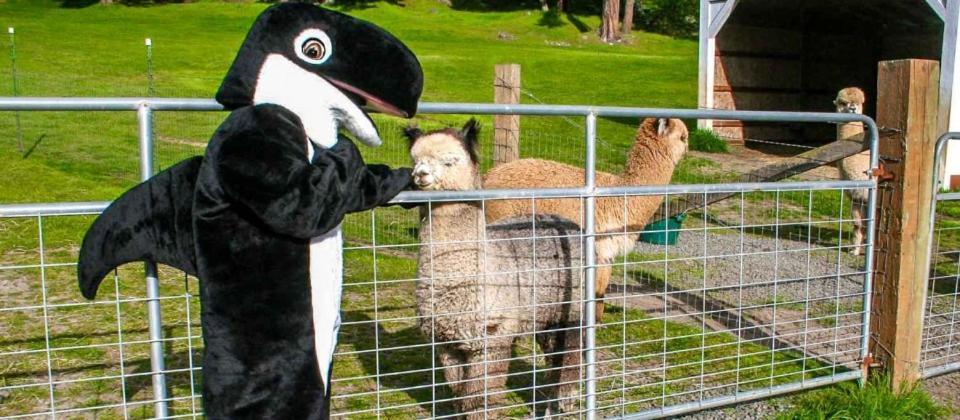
(257, 218)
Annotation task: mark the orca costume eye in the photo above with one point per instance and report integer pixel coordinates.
(313, 46)
(314, 49)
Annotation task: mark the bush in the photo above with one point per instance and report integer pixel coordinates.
(873, 401)
(703, 140)
(678, 18)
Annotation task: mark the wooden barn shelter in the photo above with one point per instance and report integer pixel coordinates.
(795, 55)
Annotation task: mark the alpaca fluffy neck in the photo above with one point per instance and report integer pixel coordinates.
(453, 234)
(645, 162)
(850, 131)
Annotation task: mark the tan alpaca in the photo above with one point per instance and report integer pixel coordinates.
(856, 167)
(477, 290)
(659, 145)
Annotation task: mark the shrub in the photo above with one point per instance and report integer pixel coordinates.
(678, 18)
(874, 401)
(703, 140)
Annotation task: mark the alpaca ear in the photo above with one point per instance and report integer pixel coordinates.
(470, 133)
(662, 125)
(412, 133)
(470, 130)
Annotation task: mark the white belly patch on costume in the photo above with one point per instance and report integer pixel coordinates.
(326, 285)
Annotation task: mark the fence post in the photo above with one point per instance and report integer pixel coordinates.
(155, 327)
(151, 90)
(16, 87)
(590, 292)
(506, 128)
(907, 101)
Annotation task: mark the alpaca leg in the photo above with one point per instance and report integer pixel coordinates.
(453, 361)
(567, 392)
(858, 228)
(563, 360)
(603, 280)
(484, 379)
(548, 345)
(496, 375)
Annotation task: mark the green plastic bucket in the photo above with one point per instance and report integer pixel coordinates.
(663, 231)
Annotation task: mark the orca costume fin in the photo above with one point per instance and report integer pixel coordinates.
(151, 222)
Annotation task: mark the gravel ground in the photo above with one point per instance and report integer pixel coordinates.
(708, 271)
(944, 388)
(772, 279)
(757, 410)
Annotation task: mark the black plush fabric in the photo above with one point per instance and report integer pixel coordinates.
(364, 56)
(241, 219)
(258, 203)
(150, 222)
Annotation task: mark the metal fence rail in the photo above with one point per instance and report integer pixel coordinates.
(941, 336)
(763, 304)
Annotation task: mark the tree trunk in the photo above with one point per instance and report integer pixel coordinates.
(561, 6)
(627, 17)
(106, 1)
(609, 29)
(544, 6)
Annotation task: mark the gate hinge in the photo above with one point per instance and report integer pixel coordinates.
(868, 363)
(882, 173)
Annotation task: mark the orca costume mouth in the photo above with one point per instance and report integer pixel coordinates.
(367, 101)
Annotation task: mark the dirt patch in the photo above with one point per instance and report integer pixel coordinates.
(943, 389)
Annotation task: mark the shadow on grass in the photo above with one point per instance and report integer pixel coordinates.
(400, 369)
(77, 4)
(577, 23)
(551, 19)
(34, 146)
(349, 5)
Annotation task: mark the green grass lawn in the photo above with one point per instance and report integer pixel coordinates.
(99, 51)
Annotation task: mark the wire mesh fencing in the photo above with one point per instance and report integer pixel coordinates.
(448, 312)
(940, 351)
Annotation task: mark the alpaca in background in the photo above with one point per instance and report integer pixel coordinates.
(658, 147)
(856, 167)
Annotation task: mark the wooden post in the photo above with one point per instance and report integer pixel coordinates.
(506, 128)
(907, 100)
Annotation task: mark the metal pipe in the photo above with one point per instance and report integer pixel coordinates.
(937, 158)
(590, 254)
(743, 396)
(868, 262)
(940, 370)
(407, 197)
(52, 209)
(157, 365)
(107, 104)
(183, 104)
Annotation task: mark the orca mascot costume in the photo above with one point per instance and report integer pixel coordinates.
(257, 218)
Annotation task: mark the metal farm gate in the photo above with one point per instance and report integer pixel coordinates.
(941, 336)
(766, 301)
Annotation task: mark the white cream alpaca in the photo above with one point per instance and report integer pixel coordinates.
(482, 287)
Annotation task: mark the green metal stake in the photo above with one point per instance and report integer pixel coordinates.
(151, 89)
(16, 90)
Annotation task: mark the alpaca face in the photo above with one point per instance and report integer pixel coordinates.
(446, 159)
(441, 163)
(675, 133)
(850, 100)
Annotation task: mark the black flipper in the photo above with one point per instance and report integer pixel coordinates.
(150, 222)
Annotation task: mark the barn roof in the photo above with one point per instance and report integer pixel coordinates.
(908, 16)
